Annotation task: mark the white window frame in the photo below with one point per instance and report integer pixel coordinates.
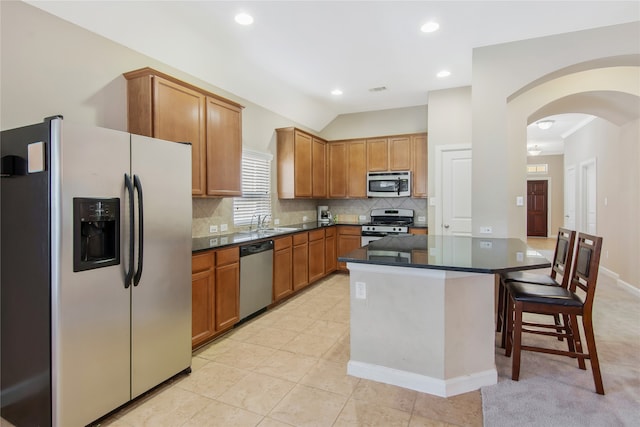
(256, 188)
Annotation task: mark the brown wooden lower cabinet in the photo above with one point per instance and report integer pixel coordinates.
(348, 240)
(282, 263)
(300, 260)
(316, 255)
(227, 288)
(202, 297)
(330, 257)
(215, 290)
(418, 230)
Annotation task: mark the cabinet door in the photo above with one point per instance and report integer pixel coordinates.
(224, 148)
(330, 257)
(357, 169)
(348, 240)
(316, 255)
(302, 165)
(202, 298)
(227, 288)
(179, 115)
(377, 155)
(319, 168)
(420, 160)
(338, 165)
(400, 153)
(282, 274)
(300, 261)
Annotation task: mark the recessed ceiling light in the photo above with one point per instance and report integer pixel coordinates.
(430, 27)
(244, 19)
(545, 124)
(336, 92)
(443, 73)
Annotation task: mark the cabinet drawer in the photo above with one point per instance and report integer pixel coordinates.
(227, 256)
(202, 261)
(300, 238)
(353, 230)
(281, 243)
(316, 234)
(330, 231)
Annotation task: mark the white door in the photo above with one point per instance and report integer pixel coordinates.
(588, 193)
(455, 194)
(570, 198)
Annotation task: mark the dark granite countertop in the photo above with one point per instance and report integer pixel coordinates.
(222, 240)
(455, 253)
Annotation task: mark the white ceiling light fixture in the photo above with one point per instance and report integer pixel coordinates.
(244, 18)
(535, 151)
(545, 124)
(336, 92)
(444, 73)
(430, 27)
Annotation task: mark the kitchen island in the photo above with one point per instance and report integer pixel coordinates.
(423, 309)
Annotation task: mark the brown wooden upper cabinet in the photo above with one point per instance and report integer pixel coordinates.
(419, 150)
(164, 107)
(302, 165)
(389, 154)
(347, 169)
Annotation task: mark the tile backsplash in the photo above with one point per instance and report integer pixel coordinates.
(208, 212)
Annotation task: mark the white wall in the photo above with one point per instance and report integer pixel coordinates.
(616, 152)
(500, 71)
(449, 124)
(377, 123)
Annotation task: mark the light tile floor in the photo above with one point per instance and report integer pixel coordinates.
(287, 367)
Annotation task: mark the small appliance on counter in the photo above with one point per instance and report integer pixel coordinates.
(324, 215)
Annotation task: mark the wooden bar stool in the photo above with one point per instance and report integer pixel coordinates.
(562, 257)
(555, 300)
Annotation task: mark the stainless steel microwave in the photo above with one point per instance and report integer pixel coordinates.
(389, 184)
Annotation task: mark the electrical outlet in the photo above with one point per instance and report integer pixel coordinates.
(361, 290)
(305, 218)
(362, 218)
(486, 245)
(223, 227)
(276, 221)
(486, 230)
(422, 219)
(213, 229)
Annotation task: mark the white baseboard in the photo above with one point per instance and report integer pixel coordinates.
(423, 383)
(626, 286)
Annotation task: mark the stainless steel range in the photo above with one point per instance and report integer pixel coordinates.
(385, 222)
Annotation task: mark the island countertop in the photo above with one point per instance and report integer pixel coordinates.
(454, 253)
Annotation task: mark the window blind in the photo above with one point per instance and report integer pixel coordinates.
(256, 188)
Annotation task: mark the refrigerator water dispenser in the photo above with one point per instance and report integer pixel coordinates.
(96, 233)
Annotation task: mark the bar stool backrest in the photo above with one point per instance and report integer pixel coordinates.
(563, 255)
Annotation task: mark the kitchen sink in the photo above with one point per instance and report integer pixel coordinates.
(280, 230)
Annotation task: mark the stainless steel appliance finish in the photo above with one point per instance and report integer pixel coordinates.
(389, 184)
(109, 333)
(256, 277)
(386, 222)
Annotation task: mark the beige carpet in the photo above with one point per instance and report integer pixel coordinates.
(552, 391)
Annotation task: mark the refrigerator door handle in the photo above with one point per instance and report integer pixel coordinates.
(129, 273)
(138, 185)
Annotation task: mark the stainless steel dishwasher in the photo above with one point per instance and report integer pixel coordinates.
(256, 275)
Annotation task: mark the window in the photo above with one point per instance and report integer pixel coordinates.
(256, 188)
(541, 168)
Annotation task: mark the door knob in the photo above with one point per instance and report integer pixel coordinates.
(446, 226)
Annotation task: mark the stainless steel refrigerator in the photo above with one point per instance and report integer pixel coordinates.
(95, 269)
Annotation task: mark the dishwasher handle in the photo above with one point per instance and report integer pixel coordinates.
(256, 248)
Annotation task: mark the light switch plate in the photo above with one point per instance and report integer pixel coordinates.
(519, 201)
(361, 290)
